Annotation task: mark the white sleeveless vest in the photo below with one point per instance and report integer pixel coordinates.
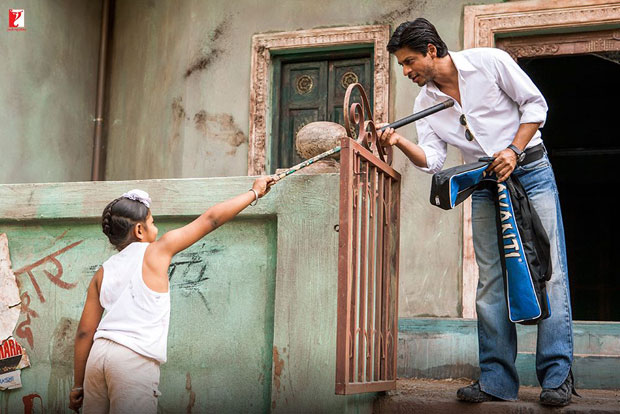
(135, 315)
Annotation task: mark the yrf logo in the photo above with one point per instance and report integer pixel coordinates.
(16, 19)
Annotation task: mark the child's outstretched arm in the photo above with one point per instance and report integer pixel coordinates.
(180, 239)
(91, 315)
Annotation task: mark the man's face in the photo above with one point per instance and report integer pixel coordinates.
(417, 67)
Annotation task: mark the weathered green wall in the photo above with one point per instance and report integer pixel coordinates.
(258, 293)
(48, 80)
(180, 103)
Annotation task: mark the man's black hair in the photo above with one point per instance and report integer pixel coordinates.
(417, 35)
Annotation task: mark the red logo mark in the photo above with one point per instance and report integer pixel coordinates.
(16, 19)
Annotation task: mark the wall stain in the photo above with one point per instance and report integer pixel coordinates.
(210, 51)
(405, 11)
(178, 111)
(28, 401)
(192, 394)
(174, 142)
(278, 367)
(221, 127)
(61, 361)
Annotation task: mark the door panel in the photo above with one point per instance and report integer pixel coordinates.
(303, 101)
(341, 74)
(311, 91)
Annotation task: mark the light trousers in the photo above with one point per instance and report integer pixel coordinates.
(119, 380)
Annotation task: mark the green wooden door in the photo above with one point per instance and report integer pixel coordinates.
(311, 91)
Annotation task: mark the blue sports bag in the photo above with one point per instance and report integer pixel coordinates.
(522, 241)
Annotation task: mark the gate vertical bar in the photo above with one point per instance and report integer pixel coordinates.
(353, 272)
(386, 284)
(379, 277)
(345, 257)
(396, 260)
(362, 278)
(370, 266)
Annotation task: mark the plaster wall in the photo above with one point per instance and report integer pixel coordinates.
(180, 101)
(253, 318)
(48, 80)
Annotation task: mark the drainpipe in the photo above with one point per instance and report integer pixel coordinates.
(98, 166)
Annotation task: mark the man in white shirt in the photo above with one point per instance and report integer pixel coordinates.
(497, 113)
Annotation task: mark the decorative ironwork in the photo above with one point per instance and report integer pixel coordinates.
(366, 131)
(368, 250)
(304, 84)
(367, 335)
(347, 79)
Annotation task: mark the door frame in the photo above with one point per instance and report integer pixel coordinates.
(261, 91)
(483, 25)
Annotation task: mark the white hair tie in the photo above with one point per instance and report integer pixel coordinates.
(139, 195)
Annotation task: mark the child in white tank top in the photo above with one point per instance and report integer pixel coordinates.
(132, 288)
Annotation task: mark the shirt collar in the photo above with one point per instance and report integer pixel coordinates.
(461, 62)
(462, 65)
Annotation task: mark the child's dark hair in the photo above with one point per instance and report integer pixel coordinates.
(118, 219)
(417, 35)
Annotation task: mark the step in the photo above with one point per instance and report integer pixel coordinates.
(448, 348)
(439, 397)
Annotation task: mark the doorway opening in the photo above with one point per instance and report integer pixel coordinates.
(581, 136)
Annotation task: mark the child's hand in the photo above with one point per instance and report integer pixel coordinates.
(262, 185)
(76, 397)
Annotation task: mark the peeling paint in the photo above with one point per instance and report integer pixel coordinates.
(9, 292)
(192, 394)
(278, 367)
(221, 127)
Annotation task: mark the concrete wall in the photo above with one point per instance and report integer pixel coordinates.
(253, 320)
(180, 102)
(48, 81)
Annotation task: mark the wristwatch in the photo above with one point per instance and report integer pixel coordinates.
(520, 154)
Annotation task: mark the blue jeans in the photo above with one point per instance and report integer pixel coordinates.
(497, 336)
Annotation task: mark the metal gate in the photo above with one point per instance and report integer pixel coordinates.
(367, 257)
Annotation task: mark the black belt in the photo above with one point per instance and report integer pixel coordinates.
(533, 154)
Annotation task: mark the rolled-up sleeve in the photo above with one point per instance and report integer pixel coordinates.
(516, 84)
(434, 148)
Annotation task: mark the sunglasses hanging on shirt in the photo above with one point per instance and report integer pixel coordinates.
(468, 135)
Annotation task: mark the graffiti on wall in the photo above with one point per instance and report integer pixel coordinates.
(23, 329)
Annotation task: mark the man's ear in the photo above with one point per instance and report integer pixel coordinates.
(138, 231)
(432, 50)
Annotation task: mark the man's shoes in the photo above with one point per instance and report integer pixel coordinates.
(561, 396)
(472, 393)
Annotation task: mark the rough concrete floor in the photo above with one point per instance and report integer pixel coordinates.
(439, 396)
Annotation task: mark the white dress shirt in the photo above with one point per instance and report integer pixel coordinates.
(496, 97)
